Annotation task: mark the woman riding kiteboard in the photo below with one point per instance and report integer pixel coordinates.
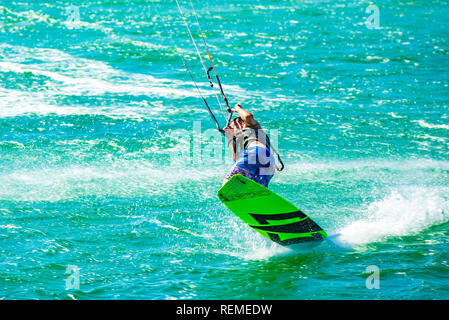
(251, 148)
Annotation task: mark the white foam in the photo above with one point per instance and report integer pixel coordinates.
(307, 169)
(120, 179)
(67, 75)
(401, 213)
(246, 243)
(91, 84)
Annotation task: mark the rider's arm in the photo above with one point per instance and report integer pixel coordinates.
(246, 116)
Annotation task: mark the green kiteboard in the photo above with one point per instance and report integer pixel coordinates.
(268, 213)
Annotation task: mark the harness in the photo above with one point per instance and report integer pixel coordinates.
(246, 141)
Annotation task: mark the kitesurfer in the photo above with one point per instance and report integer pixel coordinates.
(251, 148)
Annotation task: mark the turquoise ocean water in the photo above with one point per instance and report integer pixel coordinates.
(90, 190)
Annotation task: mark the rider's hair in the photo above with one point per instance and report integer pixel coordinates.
(234, 121)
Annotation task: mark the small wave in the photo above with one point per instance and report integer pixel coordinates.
(11, 145)
(425, 124)
(395, 115)
(9, 226)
